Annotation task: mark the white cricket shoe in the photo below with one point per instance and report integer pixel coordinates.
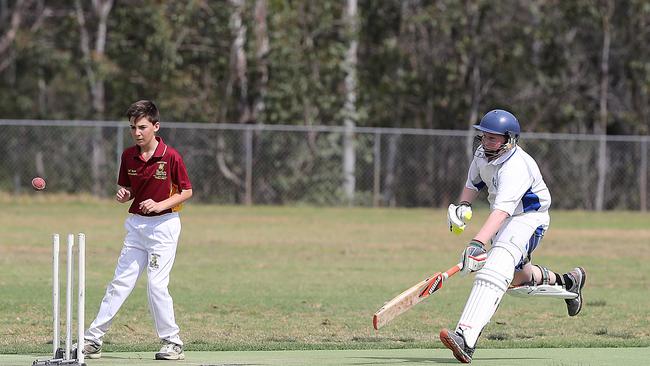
(91, 350)
(170, 351)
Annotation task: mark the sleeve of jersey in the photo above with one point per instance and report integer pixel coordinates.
(512, 184)
(180, 177)
(123, 177)
(474, 181)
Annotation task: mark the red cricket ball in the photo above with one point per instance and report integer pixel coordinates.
(38, 183)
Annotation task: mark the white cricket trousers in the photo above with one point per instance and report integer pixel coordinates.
(150, 243)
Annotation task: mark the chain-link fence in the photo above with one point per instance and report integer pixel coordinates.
(264, 164)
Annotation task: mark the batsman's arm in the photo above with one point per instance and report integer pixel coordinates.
(468, 195)
(491, 226)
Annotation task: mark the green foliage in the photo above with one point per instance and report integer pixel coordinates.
(305, 58)
(420, 64)
(300, 169)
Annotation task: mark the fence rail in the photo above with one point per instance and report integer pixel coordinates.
(284, 164)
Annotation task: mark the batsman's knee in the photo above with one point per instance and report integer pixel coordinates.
(499, 268)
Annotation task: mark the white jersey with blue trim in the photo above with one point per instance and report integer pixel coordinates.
(515, 184)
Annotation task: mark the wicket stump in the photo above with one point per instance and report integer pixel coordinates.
(68, 356)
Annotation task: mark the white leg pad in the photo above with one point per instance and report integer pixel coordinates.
(552, 291)
(490, 284)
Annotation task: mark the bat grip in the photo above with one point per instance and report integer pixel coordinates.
(453, 270)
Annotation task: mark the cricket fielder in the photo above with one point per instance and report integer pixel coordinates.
(153, 175)
(519, 203)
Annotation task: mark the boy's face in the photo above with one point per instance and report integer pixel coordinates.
(492, 141)
(143, 131)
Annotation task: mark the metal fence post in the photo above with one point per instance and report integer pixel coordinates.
(643, 176)
(602, 173)
(376, 189)
(248, 180)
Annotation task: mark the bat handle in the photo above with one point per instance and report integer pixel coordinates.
(453, 270)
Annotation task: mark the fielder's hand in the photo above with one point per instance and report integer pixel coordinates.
(149, 206)
(458, 216)
(473, 257)
(123, 195)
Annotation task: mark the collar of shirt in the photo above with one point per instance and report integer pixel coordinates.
(161, 149)
(502, 159)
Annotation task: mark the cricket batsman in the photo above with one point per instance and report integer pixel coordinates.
(519, 203)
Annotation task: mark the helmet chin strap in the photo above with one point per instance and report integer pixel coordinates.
(511, 143)
(505, 147)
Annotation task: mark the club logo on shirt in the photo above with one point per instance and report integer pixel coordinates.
(153, 262)
(160, 172)
(132, 172)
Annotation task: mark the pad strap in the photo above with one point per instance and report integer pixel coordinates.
(545, 277)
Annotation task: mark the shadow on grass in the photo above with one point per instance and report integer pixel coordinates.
(150, 358)
(451, 360)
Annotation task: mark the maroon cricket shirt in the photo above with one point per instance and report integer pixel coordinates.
(163, 175)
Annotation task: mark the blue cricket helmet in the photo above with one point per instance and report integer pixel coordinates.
(499, 122)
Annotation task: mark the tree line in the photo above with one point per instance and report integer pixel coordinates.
(578, 66)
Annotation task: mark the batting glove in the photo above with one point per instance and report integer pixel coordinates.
(458, 216)
(473, 257)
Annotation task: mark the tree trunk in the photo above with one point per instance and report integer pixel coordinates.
(474, 99)
(7, 39)
(92, 62)
(350, 107)
(236, 77)
(261, 53)
(473, 110)
(604, 84)
(239, 62)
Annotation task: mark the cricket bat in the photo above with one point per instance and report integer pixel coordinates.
(412, 297)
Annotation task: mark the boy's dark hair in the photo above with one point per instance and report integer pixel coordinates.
(143, 108)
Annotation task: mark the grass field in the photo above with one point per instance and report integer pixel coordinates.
(305, 278)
